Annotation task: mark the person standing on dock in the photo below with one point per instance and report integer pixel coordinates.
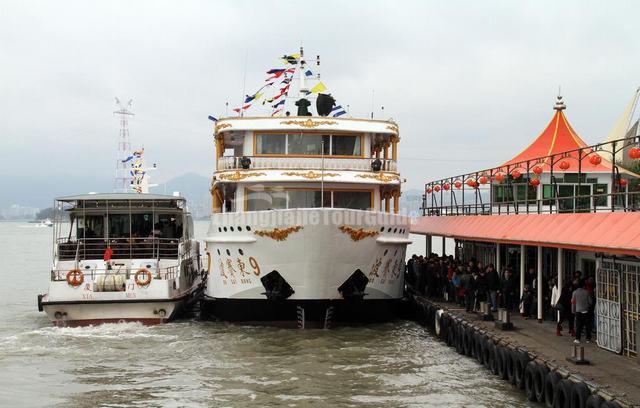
(580, 304)
(509, 290)
(493, 286)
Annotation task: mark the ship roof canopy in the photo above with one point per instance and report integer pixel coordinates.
(119, 197)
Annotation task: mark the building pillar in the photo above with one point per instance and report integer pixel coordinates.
(444, 251)
(523, 256)
(539, 285)
(428, 245)
(394, 150)
(396, 201)
(387, 202)
(560, 269)
(386, 151)
(498, 258)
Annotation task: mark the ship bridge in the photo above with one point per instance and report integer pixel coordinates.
(557, 207)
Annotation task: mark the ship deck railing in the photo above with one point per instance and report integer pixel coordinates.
(95, 273)
(303, 163)
(123, 248)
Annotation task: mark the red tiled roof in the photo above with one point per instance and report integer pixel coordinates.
(611, 232)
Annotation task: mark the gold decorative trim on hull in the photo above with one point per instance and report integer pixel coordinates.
(393, 128)
(309, 175)
(357, 234)
(279, 234)
(309, 123)
(222, 126)
(236, 176)
(380, 177)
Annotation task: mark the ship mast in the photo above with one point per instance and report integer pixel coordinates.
(123, 179)
(303, 91)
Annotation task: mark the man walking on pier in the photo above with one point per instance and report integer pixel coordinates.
(580, 303)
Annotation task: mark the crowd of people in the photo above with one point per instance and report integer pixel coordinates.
(468, 283)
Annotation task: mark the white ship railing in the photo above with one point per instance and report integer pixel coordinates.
(170, 272)
(305, 163)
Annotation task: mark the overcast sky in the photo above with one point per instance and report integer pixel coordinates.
(470, 83)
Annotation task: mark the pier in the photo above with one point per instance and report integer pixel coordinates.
(608, 379)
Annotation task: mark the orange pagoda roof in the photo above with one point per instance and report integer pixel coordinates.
(559, 137)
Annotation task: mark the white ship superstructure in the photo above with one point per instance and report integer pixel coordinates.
(121, 257)
(305, 224)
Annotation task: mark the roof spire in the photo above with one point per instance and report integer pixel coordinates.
(559, 103)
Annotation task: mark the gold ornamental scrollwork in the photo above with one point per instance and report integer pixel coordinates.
(384, 177)
(279, 234)
(221, 126)
(357, 234)
(393, 128)
(309, 123)
(237, 175)
(309, 175)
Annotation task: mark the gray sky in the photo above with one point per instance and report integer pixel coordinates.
(470, 83)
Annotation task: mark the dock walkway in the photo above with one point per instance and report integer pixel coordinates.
(613, 376)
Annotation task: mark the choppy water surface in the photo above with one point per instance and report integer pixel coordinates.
(189, 363)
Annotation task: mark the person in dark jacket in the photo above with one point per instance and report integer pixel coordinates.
(525, 302)
(509, 290)
(564, 308)
(493, 286)
(469, 283)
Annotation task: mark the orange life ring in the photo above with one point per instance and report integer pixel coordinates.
(75, 277)
(146, 280)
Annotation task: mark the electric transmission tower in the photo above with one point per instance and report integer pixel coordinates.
(122, 182)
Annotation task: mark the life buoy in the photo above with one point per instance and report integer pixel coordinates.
(75, 277)
(142, 281)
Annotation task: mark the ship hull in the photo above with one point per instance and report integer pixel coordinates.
(329, 264)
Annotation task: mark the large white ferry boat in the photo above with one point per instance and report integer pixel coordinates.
(121, 257)
(303, 228)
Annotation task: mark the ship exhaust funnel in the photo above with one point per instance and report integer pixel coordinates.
(277, 288)
(353, 288)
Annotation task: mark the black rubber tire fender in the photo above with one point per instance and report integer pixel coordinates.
(539, 380)
(594, 401)
(486, 352)
(549, 387)
(609, 404)
(479, 341)
(562, 394)
(460, 339)
(579, 395)
(504, 356)
(451, 333)
(521, 360)
(468, 342)
(464, 344)
(511, 365)
(529, 381)
(495, 358)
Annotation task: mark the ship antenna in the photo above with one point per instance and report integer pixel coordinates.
(303, 91)
(244, 83)
(121, 182)
(373, 93)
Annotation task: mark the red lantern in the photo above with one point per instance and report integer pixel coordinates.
(634, 153)
(534, 182)
(483, 180)
(429, 190)
(595, 159)
(499, 177)
(515, 174)
(564, 165)
(537, 170)
(436, 188)
(623, 182)
(457, 184)
(472, 183)
(446, 186)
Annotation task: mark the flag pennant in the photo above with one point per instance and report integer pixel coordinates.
(337, 111)
(291, 59)
(275, 112)
(308, 73)
(245, 107)
(212, 118)
(281, 103)
(320, 87)
(275, 70)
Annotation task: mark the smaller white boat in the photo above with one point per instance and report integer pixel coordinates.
(122, 257)
(45, 223)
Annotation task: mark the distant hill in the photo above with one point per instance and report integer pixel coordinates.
(192, 186)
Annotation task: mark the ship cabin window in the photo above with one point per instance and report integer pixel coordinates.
(308, 144)
(278, 199)
(90, 227)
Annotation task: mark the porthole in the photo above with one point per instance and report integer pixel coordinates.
(239, 228)
(240, 251)
(248, 228)
(218, 252)
(219, 229)
(231, 228)
(389, 230)
(395, 230)
(225, 229)
(385, 252)
(382, 229)
(228, 252)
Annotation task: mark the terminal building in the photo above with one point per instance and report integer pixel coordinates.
(557, 207)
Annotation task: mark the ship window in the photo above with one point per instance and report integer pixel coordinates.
(597, 190)
(307, 144)
(304, 199)
(118, 225)
(345, 145)
(271, 143)
(170, 226)
(266, 200)
(91, 226)
(141, 225)
(357, 200)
